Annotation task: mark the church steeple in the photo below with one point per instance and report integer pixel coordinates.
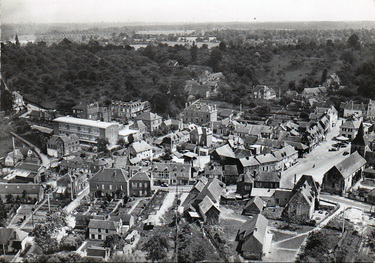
(360, 142)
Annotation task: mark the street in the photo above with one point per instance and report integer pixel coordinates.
(75, 203)
(317, 162)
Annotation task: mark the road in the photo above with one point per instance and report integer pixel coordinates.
(75, 203)
(317, 162)
(345, 202)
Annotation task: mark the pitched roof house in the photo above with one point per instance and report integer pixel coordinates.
(340, 178)
(109, 181)
(252, 238)
(254, 206)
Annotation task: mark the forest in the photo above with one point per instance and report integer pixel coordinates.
(61, 75)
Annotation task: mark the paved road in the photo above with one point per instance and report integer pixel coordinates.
(345, 202)
(321, 157)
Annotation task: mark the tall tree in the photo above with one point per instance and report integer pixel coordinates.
(353, 42)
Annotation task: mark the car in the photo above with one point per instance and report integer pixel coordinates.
(164, 185)
(345, 153)
(333, 149)
(335, 145)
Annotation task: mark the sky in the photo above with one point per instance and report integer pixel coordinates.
(169, 11)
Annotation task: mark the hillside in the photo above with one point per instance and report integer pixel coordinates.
(62, 74)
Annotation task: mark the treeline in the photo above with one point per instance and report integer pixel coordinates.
(63, 74)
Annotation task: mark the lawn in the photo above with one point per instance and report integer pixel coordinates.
(230, 228)
(293, 243)
(279, 236)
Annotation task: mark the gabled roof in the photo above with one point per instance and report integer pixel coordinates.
(230, 170)
(256, 226)
(102, 224)
(249, 161)
(110, 175)
(10, 234)
(225, 151)
(245, 178)
(140, 146)
(308, 180)
(28, 167)
(206, 205)
(267, 177)
(148, 116)
(19, 188)
(257, 201)
(350, 164)
(284, 152)
(211, 189)
(140, 176)
(266, 158)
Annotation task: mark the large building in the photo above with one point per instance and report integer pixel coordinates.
(110, 181)
(88, 131)
(129, 109)
(200, 113)
(92, 111)
(151, 120)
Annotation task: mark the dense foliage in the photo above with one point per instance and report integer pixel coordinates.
(70, 71)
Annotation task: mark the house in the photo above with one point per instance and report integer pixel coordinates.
(286, 157)
(171, 173)
(200, 113)
(12, 240)
(61, 145)
(350, 128)
(224, 154)
(267, 162)
(309, 93)
(214, 171)
(109, 182)
(254, 206)
(340, 178)
(139, 126)
(264, 93)
(28, 172)
(99, 229)
(230, 174)
(201, 136)
(140, 185)
(73, 183)
(141, 150)
(127, 110)
(301, 206)
(267, 180)
(209, 211)
(88, 131)
(13, 158)
(354, 109)
(371, 110)
(253, 238)
(151, 120)
(92, 111)
(25, 192)
(245, 183)
(172, 124)
(250, 165)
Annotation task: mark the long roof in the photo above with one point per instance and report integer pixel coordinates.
(86, 122)
(140, 176)
(267, 177)
(350, 164)
(148, 116)
(249, 161)
(225, 151)
(141, 146)
(19, 188)
(266, 158)
(110, 175)
(256, 226)
(102, 224)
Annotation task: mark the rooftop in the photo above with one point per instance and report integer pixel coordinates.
(91, 123)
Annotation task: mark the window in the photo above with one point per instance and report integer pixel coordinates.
(106, 231)
(99, 236)
(92, 236)
(99, 230)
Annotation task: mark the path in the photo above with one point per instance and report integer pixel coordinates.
(167, 203)
(75, 203)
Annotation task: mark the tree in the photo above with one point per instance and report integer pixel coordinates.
(157, 247)
(112, 241)
(222, 46)
(102, 145)
(9, 198)
(17, 41)
(194, 52)
(324, 76)
(353, 42)
(121, 142)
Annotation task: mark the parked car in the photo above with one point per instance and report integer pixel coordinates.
(345, 153)
(164, 185)
(333, 149)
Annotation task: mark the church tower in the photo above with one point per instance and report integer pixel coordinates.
(360, 142)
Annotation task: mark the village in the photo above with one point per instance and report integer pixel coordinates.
(115, 180)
